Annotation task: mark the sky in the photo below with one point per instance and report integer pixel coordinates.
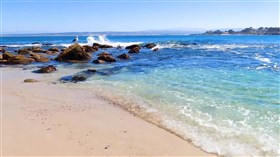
(46, 16)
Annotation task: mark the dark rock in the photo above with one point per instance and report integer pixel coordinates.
(7, 55)
(101, 45)
(2, 49)
(89, 48)
(55, 49)
(39, 58)
(35, 43)
(30, 80)
(63, 49)
(134, 50)
(124, 56)
(150, 45)
(194, 43)
(1, 56)
(47, 44)
(98, 61)
(46, 69)
(107, 58)
(119, 47)
(104, 54)
(78, 78)
(73, 53)
(133, 46)
(91, 70)
(155, 49)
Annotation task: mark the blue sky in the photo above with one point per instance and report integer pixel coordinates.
(46, 16)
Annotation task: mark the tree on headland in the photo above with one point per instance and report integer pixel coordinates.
(249, 30)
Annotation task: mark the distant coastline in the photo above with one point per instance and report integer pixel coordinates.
(247, 31)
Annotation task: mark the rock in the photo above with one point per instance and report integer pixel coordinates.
(30, 80)
(46, 69)
(81, 76)
(124, 56)
(19, 59)
(7, 55)
(98, 61)
(104, 54)
(55, 49)
(133, 46)
(150, 45)
(35, 43)
(1, 56)
(23, 51)
(73, 53)
(63, 49)
(39, 58)
(102, 46)
(78, 78)
(155, 49)
(119, 47)
(2, 49)
(39, 50)
(134, 50)
(91, 71)
(89, 48)
(51, 52)
(107, 58)
(47, 44)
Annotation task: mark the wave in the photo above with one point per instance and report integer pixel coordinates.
(262, 59)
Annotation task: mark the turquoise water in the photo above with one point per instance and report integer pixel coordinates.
(222, 92)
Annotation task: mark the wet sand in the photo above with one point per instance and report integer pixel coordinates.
(43, 119)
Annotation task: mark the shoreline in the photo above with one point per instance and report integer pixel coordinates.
(62, 123)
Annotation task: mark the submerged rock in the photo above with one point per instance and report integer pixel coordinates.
(98, 61)
(104, 54)
(30, 80)
(124, 56)
(81, 76)
(35, 43)
(47, 44)
(155, 49)
(150, 45)
(102, 45)
(73, 53)
(46, 69)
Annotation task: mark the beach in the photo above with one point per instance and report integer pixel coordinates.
(43, 119)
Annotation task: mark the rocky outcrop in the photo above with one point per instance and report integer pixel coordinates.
(46, 69)
(123, 56)
(55, 49)
(2, 49)
(19, 59)
(134, 50)
(7, 55)
(150, 45)
(89, 48)
(155, 49)
(107, 58)
(23, 51)
(102, 46)
(38, 50)
(39, 58)
(133, 46)
(74, 53)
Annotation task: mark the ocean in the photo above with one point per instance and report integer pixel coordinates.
(220, 92)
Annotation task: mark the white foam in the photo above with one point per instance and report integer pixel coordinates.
(262, 59)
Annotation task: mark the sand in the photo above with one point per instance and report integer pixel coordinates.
(45, 119)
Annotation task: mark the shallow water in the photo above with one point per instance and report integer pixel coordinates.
(222, 92)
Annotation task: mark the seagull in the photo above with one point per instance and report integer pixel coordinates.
(75, 40)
